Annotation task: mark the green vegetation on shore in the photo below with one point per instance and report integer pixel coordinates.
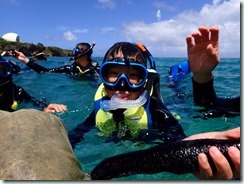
(30, 49)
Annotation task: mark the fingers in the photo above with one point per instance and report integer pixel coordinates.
(56, 108)
(234, 154)
(60, 108)
(204, 167)
(204, 35)
(233, 133)
(224, 170)
(197, 37)
(214, 34)
(189, 41)
(11, 52)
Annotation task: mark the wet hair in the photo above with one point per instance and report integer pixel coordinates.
(125, 51)
(84, 47)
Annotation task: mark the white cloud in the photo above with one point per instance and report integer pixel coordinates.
(69, 36)
(158, 15)
(106, 30)
(110, 4)
(81, 31)
(163, 5)
(167, 38)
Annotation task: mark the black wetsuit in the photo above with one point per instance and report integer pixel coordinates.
(13, 92)
(15, 68)
(164, 125)
(74, 69)
(204, 95)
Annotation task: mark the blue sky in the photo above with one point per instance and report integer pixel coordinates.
(161, 25)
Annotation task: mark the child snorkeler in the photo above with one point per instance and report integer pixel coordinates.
(128, 104)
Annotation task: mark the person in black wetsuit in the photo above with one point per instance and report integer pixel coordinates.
(125, 76)
(11, 94)
(202, 48)
(82, 66)
(15, 69)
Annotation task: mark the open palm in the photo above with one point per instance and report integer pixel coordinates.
(203, 53)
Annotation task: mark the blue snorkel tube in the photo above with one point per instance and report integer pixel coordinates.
(179, 71)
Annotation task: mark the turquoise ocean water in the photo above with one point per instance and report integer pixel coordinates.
(78, 96)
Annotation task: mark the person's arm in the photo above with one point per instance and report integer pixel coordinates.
(203, 57)
(77, 134)
(40, 69)
(224, 169)
(36, 67)
(204, 94)
(22, 96)
(202, 50)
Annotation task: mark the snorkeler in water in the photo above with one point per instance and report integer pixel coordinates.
(82, 66)
(11, 95)
(203, 56)
(128, 104)
(15, 69)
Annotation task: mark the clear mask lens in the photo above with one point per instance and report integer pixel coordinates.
(114, 78)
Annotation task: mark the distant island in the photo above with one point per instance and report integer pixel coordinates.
(30, 49)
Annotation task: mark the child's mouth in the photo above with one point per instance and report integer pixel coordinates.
(119, 97)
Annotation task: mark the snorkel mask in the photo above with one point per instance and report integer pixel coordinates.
(122, 82)
(77, 53)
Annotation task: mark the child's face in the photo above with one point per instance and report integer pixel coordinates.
(133, 76)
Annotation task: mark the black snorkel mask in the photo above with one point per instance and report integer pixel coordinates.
(78, 54)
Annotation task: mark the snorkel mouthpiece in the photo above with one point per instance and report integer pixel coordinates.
(117, 103)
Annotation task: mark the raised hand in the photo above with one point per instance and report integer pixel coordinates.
(202, 49)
